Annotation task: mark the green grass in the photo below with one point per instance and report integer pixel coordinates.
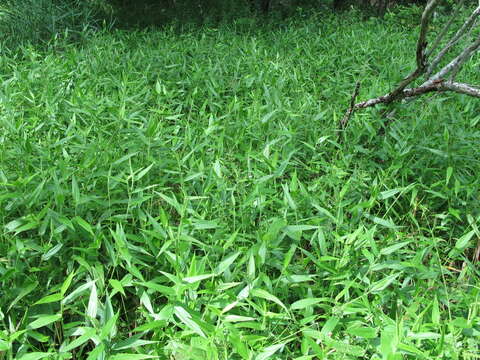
(183, 195)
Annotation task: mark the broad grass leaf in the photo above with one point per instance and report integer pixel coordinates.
(35, 356)
(363, 332)
(143, 172)
(124, 158)
(385, 223)
(66, 284)
(75, 191)
(224, 264)
(109, 328)
(435, 311)
(186, 318)
(384, 283)
(97, 353)
(49, 299)
(77, 292)
(52, 252)
(162, 289)
(132, 342)
(267, 296)
(345, 348)
(4, 346)
(93, 302)
(463, 241)
(388, 341)
(27, 289)
(410, 349)
(44, 320)
(389, 193)
(197, 278)
(82, 339)
(132, 357)
(238, 318)
(117, 287)
(204, 224)
(150, 326)
(268, 352)
(391, 249)
(305, 303)
(329, 326)
(86, 226)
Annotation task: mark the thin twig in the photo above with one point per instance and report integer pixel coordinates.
(435, 83)
(351, 109)
(456, 63)
(436, 86)
(420, 53)
(445, 29)
(467, 25)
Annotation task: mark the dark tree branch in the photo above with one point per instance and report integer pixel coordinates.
(351, 109)
(467, 25)
(432, 83)
(445, 29)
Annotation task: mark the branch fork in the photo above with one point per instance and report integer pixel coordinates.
(434, 79)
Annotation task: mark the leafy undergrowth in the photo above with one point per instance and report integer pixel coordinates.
(184, 196)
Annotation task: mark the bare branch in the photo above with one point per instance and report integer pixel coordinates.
(456, 63)
(469, 23)
(445, 29)
(420, 53)
(462, 88)
(422, 37)
(437, 82)
(438, 85)
(351, 109)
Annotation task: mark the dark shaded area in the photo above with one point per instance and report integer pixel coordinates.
(140, 13)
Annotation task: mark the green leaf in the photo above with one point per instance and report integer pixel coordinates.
(66, 284)
(52, 252)
(44, 320)
(77, 292)
(49, 299)
(363, 332)
(267, 296)
(27, 289)
(329, 326)
(305, 303)
(435, 312)
(86, 226)
(268, 352)
(462, 243)
(345, 348)
(92, 302)
(389, 193)
(194, 279)
(35, 356)
(4, 346)
(384, 283)
(132, 357)
(150, 326)
(143, 172)
(386, 223)
(186, 318)
(132, 342)
(82, 339)
(117, 287)
(226, 263)
(391, 249)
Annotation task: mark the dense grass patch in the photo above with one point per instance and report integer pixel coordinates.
(185, 196)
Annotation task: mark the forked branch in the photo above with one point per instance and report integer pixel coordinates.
(440, 81)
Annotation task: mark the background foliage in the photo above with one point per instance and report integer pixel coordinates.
(182, 194)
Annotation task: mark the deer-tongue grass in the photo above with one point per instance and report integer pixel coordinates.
(182, 196)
